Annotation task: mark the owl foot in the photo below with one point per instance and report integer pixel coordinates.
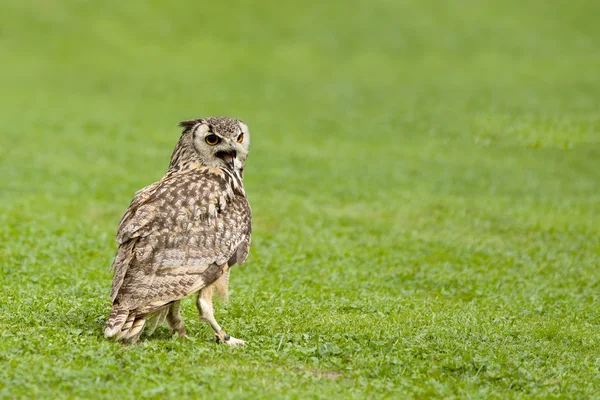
(180, 332)
(222, 337)
(235, 342)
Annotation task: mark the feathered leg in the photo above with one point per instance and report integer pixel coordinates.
(206, 311)
(175, 321)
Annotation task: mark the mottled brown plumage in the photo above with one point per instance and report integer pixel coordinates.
(182, 234)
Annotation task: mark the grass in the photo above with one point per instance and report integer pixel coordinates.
(424, 178)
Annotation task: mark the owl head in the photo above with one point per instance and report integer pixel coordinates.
(213, 142)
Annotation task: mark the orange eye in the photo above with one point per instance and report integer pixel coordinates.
(240, 138)
(212, 139)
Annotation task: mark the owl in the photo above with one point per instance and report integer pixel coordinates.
(182, 234)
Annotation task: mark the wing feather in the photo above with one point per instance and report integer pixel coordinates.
(175, 238)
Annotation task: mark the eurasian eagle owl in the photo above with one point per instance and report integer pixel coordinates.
(182, 234)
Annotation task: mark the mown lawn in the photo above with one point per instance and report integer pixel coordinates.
(424, 177)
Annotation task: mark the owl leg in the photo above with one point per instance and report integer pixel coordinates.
(206, 311)
(175, 321)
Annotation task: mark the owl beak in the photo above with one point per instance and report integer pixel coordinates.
(228, 156)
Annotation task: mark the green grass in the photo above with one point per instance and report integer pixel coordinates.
(424, 178)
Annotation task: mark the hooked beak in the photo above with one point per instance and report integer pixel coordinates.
(228, 156)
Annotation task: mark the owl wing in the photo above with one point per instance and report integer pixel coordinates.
(241, 252)
(176, 237)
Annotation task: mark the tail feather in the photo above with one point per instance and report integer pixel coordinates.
(121, 334)
(127, 325)
(115, 321)
(124, 326)
(155, 319)
(133, 334)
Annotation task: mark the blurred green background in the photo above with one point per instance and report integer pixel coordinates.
(424, 177)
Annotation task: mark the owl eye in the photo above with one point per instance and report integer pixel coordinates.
(240, 138)
(212, 139)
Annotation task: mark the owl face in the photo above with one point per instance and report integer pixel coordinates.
(219, 141)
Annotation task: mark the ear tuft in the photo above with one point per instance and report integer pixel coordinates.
(189, 124)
